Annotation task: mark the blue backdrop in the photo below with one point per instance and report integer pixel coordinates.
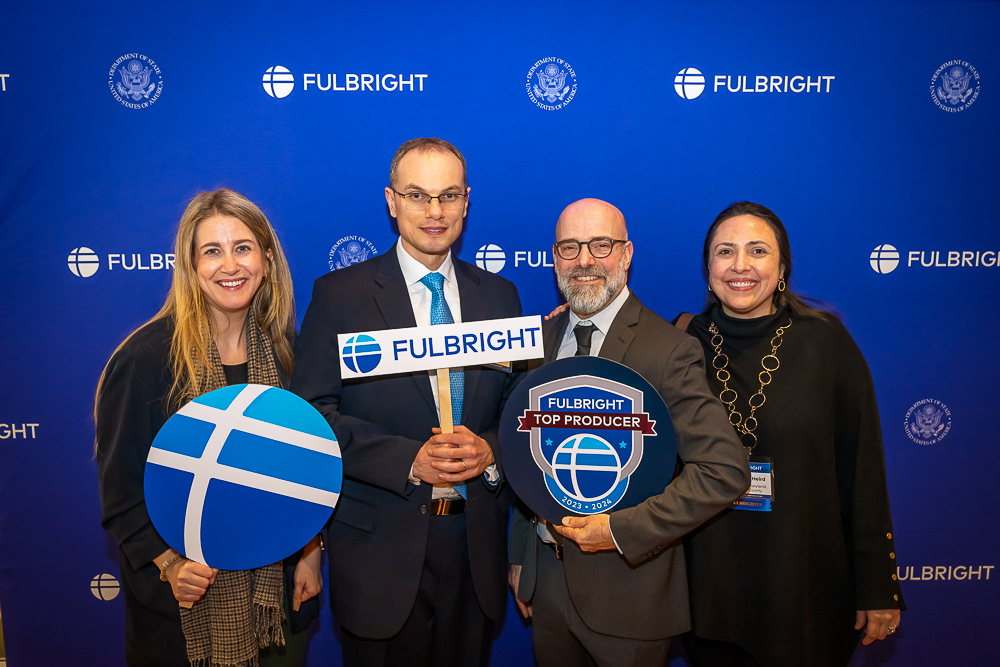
(890, 148)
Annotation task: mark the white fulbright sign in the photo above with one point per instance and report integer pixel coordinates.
(389, 351)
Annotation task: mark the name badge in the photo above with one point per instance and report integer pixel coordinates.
(760, 497)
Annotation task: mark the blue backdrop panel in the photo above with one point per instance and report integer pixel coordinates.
(873, 154)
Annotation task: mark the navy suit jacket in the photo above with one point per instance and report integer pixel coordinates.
(378, 532)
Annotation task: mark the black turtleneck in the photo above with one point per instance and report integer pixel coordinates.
(785, 584)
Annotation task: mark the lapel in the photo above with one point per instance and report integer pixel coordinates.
(393, 301)
(552, 334)
(621, 333)
(475, 307)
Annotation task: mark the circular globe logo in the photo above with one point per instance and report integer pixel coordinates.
(361, 353)
(278, 81)
(884, 258)
(689, 83)
(104, 587)
(83, 262)
(587, 468)
(491, 258)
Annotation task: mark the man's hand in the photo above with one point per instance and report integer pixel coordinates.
(592, 533)
(308, 578)
(189, 580)
(514, 577)
(452, 457)
(879, 621)
(556, 311)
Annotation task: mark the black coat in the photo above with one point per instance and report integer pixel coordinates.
(785, 585)
(131, 410)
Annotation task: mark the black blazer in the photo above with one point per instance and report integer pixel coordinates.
(643, 593)
(378, 533)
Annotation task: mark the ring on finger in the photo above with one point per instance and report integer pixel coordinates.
(891, 629)
(465, 466)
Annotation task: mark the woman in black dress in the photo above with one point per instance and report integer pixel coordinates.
(228, 319)
(801, 568)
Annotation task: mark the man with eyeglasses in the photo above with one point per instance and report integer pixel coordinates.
(417, 543)
(611, 589)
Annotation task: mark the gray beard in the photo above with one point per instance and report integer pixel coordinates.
(586, 299)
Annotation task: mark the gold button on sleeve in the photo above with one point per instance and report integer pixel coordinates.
(888, 536)
(892, 556)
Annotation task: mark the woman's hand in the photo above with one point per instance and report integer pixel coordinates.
(308, 579)
(881, 623)
(189, 579)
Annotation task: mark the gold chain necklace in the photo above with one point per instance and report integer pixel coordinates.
(744, 428)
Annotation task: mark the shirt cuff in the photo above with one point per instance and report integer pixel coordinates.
(414, 480)
(491, 476)
(613, 539)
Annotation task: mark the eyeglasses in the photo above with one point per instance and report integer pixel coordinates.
(599, 248)
(420, 201)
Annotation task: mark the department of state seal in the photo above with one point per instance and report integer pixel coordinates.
(135, 81)
(551, 83)
(350, 250)
(927, 422)
(955, 86)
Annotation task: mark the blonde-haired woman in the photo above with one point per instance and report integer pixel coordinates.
(228, 319)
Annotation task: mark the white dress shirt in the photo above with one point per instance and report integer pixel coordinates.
(420, 300)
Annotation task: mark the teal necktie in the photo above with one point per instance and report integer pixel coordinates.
(441, 314)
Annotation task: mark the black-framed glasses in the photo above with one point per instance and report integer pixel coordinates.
(420, 201)
(599, 248)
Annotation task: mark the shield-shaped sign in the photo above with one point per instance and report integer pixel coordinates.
(585, 435)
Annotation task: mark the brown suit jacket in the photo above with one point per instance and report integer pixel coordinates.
(642, 592)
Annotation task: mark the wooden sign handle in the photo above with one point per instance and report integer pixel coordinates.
(185, 604)
(444, 399)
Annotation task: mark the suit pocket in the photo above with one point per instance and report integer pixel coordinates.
(355, 513)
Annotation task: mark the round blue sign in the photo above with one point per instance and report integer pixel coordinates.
(242, 476)
(586, 435)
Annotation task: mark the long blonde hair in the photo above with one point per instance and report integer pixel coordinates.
(274, 303)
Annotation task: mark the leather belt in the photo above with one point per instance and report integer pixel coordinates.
(446, 506)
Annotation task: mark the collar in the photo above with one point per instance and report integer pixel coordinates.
(413, 270)
(603, 319)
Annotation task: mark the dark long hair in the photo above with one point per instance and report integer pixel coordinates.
(781, 299)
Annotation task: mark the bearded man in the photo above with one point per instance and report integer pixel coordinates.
(611, 589)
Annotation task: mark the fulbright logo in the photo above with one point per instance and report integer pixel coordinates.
(491, 257)
(572, 424)
(362, 353)
(690, 83)
(83, 262)
(278, 81)
(105, 587)
(886, 258)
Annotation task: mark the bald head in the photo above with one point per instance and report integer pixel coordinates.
(591, 282)
(589, 218)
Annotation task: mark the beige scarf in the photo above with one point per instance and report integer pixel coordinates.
(242, 611)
